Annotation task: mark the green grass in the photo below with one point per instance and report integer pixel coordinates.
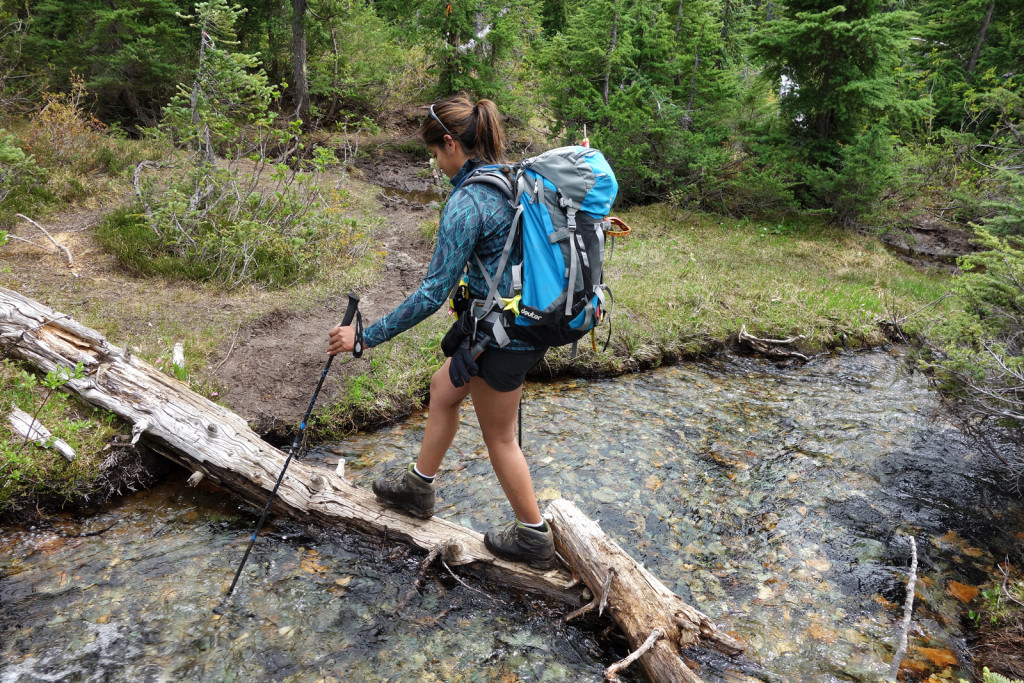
(685, 285)
(30, 472)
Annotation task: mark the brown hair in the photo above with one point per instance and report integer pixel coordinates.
(477, 127)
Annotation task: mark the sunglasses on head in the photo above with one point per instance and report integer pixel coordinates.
(440, 122)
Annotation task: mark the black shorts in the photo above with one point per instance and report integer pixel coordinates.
(505, 370)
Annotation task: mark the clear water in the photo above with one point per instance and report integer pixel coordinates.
(776, 501)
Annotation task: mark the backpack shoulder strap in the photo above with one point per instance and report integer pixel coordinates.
(494, 176)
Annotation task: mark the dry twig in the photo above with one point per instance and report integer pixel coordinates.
(1005, 568)
(418, 583)
(908, 608)
(582, 610)
(611, 671)
(769, 347)
(230, 349)
(466, 585)
(60, 247)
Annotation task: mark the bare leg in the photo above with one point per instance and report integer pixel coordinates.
(442, 420)
(496, 411)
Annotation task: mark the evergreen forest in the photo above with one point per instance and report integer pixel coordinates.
(868, 115)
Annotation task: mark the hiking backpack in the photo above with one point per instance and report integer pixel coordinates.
(562, 199)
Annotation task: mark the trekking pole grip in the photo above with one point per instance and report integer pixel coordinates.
(351, 311)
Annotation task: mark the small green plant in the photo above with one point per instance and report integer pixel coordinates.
(993, 598)
(31, 470)
(991, 677)
(52, 381)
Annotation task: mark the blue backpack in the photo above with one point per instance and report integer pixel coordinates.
(562, 199)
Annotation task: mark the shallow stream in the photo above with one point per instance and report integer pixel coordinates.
(776, 501)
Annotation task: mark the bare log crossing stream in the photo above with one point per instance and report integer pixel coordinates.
(776, 501)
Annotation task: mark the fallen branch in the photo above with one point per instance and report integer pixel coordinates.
(908, 608)
(60, 247)
(768, 347)
(434, 553)
(611, 671)
(30, 429)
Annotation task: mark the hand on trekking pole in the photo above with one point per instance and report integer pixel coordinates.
(341, 339)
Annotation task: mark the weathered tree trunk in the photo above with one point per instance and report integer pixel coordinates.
(301, 82)
(606, 84)
(638, 602)
(218, 445)
(972, 63)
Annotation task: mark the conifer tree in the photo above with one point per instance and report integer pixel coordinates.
(130, 53)
(835, 67)
(973, 45)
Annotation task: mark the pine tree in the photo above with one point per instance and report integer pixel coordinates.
(966, 46)
(130, 53)
(835, 68)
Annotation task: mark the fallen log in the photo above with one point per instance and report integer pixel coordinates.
(217, 445)
(639, 603)
(770, 347)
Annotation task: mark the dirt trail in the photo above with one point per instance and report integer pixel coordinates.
(266, 369)
(277, 360)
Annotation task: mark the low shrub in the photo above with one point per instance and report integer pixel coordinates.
(979, 360)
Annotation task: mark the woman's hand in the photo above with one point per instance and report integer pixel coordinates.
(341, 340)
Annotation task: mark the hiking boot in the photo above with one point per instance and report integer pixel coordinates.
(404, 489)
(520, 543)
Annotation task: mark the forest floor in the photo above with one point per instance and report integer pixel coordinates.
(270, 348)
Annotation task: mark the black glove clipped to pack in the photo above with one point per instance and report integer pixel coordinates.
(460, 331)
(462, 365)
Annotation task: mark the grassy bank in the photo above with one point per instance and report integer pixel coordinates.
(34, 471)
(684, 285)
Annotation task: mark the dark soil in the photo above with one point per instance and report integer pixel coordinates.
(277, 360)
(928, 241)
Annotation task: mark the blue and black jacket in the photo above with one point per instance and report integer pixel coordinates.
(476, 220)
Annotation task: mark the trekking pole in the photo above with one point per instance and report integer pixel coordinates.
(350, 312)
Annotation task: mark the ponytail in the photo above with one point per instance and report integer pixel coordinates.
(477, 127)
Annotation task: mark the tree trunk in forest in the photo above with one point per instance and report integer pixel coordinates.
(972, 64)
(218, 445)
(205, 147)
(300, 98)
(608, 72)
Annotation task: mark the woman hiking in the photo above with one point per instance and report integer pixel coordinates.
(473, 229)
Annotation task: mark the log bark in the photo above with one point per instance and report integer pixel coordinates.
(636, 599)
(217, 445)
